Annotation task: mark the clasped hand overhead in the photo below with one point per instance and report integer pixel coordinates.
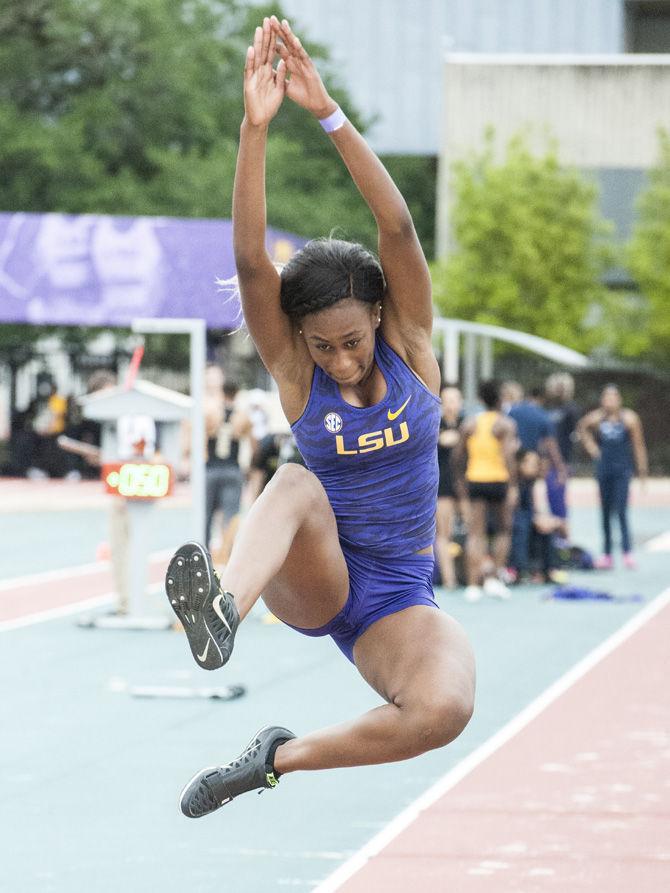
(295, 76)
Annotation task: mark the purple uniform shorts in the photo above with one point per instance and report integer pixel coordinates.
(377, 587)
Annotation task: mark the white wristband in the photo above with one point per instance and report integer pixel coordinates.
(334, 121)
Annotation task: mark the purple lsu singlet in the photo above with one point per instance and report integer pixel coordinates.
(377, 464)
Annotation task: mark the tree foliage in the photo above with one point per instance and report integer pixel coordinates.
(529, 246)
(648, 255)
(134, 107)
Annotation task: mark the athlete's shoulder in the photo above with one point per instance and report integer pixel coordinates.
(415, 349)
(504, 426)
(468, 425)
(294, 377)
(630, 418)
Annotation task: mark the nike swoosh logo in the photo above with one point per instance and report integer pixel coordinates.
(216, 604)
(202, 657)
(394, 415)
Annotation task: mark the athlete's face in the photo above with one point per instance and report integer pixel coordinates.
(452, 402)
(611, 400)
(341, 340)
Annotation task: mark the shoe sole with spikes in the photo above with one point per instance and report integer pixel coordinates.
(208, 614)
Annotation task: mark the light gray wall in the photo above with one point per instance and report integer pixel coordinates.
(389, 56)
(535, 26)
(390, 52)
(604, 112)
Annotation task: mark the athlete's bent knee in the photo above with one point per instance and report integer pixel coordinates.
(296, 480)
(441, 720)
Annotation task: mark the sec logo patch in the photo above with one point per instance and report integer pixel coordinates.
(333, 422)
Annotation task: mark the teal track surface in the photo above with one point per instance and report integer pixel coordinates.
(91, 776)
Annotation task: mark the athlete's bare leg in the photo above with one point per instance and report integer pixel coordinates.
(445, 515)
(419, 660)
(287, 548)
(502, 541)
(476, 543)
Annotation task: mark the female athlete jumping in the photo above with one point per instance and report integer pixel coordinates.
(344, 546)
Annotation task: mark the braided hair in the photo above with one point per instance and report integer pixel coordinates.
(326, 271)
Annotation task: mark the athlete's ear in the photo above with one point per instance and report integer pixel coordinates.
(377, 313)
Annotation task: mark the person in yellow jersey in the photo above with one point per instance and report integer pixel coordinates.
(486, 454)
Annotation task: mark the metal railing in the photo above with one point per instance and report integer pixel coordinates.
(476, 340)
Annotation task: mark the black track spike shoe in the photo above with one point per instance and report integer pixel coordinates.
(253, 770)
(207, 613)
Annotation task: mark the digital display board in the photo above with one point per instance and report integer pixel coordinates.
(138, 480)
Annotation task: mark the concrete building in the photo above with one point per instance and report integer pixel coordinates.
(604, 112)
(432, 74)
(389, 54)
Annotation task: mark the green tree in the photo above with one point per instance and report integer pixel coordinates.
(134, 107)
(648, 255)
(529, 246)
(416, 178)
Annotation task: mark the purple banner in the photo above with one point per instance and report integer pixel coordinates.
(99, 270)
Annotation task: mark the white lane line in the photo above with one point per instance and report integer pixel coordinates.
(660, 543)
(62, 573)
(54, 613)
(79, 570)
(77, 607)
(397, 825)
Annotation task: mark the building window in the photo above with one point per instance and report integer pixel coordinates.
(648, 26)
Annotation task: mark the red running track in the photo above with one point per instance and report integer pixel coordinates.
(24, 600)
(577, 800)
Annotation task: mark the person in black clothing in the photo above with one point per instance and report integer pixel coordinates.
(225, 426)
(613, 437)
(452, 416)
(564, 414)
(86, 431)
(534, 524)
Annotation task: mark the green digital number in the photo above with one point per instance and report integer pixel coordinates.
(143, 480)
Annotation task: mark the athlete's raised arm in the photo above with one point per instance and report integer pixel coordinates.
(264, 90)
(407, 318)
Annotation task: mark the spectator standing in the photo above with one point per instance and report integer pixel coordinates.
(487, 445)
(564, 414)
(452, 416)
(135, 440)
(225, 426)
(87, 432)
(49, 417)
(275, 449)
(511, 392)
(257, 405)
(613, 437)
(535, 431)
(23, 445)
